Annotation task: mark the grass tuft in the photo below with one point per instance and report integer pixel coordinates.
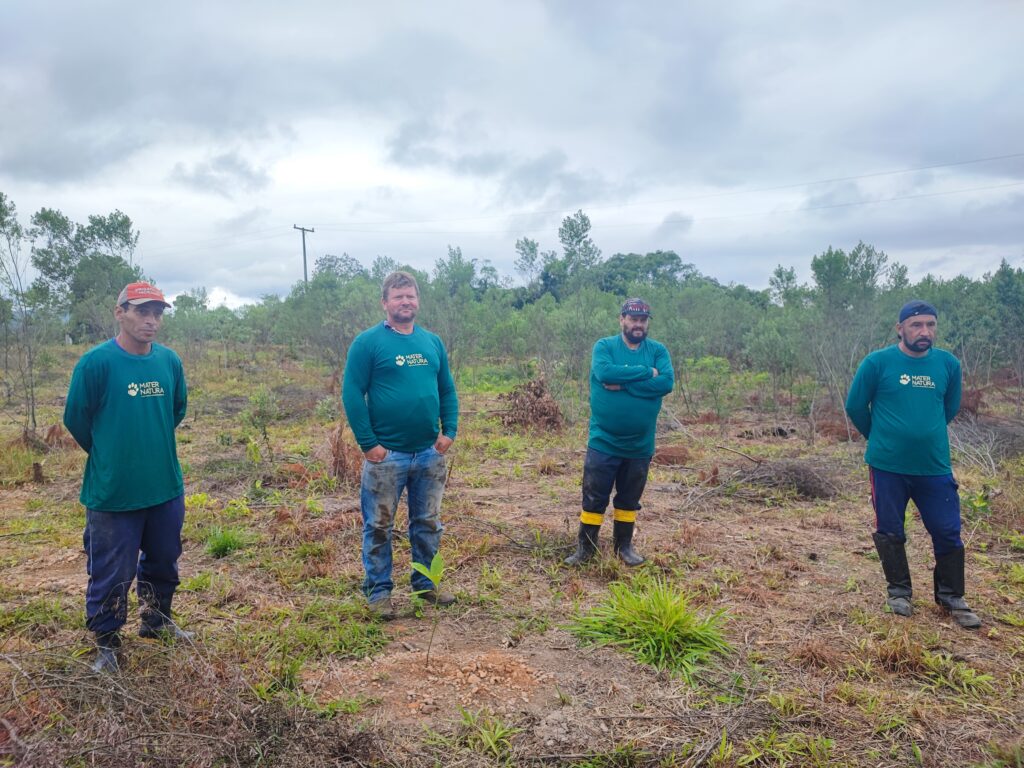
(651, 620)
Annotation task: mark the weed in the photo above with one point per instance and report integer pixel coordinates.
(327, 410)
(36, 616)
(1015, 540)
(773, 749)
(263, 409)
(977, 503)
(221, 542)
(621, 756)
(16, 465)
(722, 755)
(784, 704)
(486, 734)
(652, 620)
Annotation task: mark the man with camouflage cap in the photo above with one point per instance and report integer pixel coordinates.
(629, 375)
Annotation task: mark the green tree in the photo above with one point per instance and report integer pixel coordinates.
(20, 305)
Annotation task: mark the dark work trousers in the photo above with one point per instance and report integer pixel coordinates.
(602, 472)
(113, 542)
(936, 499)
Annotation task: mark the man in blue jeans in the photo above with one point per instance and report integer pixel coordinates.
(400, 401)
(126, 397)
(629, 375)
(901, 400)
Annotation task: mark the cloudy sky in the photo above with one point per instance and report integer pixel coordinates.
(741, 135)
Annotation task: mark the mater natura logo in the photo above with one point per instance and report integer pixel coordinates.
(904, 379)
(399, 359)
(146, 389)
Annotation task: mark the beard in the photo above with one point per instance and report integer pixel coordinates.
(636, 335)
(921, 345)
(403, 316)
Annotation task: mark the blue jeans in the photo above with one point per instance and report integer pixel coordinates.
(936, 499)
(423, 474)
(113, 541)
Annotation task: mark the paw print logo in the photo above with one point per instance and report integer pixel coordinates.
(904, 379)
(133, 389)
(399, 359)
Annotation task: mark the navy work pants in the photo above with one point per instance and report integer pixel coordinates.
(113, 542)
(936, 499)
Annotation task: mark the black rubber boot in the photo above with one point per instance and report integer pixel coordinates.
(949, 589)
(893, 554)
(622, 535)
(107, 644)
(156, 617)
(586, 545)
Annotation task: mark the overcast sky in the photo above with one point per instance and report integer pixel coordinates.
(741, 135)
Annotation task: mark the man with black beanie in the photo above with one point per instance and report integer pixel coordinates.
(901, 400)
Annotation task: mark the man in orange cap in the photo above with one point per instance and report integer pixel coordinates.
(126, 398)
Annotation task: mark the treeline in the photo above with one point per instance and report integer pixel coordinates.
(774, 340)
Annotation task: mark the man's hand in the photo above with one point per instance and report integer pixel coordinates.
(612, 387)
(376, 455)
(442, 444)
(654, 372)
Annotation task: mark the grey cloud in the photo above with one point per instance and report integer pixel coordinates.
(246, 220)
(222, 175)
(674, 224)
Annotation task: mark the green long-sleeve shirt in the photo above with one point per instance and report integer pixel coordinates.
(122, 409)
(623, 421)
(902, 405)
(398, 390)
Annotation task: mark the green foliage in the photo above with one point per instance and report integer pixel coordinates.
(435, 573)
(263, 410)
(38, 615)
(774, 749)
(650, 619)
(221, 542)
(486, 734)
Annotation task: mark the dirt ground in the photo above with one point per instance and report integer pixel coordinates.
(797, 578)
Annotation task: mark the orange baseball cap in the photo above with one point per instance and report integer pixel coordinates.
(140, 293)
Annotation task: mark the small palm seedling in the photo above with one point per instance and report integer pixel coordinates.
(652, 621)
(435, 573)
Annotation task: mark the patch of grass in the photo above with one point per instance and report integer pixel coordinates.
(621, 756)
(221, 542)
(651, 620)
(486, 734)
(774, 749)
(321, 628)
(899, 653)
(38, 616)
(16, 465)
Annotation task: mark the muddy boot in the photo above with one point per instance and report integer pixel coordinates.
(622, 534)
(949, 589)
(156, 618)
(586, 545)
(107, 644)
(893, 554)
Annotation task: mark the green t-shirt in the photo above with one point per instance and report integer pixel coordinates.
(398, 391)
(623, 421)
(122, 409)
(902, 405)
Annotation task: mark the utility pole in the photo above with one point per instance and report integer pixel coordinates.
(305, 277)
